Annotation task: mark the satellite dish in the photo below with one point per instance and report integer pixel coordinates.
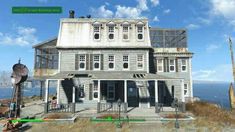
(20, 73)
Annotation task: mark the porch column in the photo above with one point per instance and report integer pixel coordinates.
(157, 110)
(46, 96)
(99, 91)
(98, 104)
(73, 100)
(182, 90)
(58, 92)
(182, 96)
(125, 91)
(125, 96)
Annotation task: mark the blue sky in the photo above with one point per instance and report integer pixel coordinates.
(209, 23)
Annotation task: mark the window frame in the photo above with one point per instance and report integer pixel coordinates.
(124, 61)
(125, 33)
(140, 61)
(96, 32)
(184, 65)
(172, 65)
(111, 32)
(95, 61)
(186, 89)
(83, 61)
(111, 61)
(142, 32)
(162, 65)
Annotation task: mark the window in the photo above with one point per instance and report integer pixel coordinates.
(81, 92)
(95, 90)
(111, 33)
(140, 59)
(184, 65)
(96, 62)
(125, 31)
(111, 62)
(172, 65)
(82, 62)
(125, 62)
(160, 65)
(96, 32)
(186, 89)
(140, 33)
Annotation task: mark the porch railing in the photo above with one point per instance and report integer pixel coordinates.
(111, 107)
(59, 107)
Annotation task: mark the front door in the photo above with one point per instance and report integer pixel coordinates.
(132, 97)
(111, 91)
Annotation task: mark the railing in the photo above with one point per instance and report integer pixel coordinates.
(59, 107)
(111, 107)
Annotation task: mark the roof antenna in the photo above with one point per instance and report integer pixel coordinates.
(19, 61)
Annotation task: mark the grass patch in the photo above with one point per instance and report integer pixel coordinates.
(210, 111)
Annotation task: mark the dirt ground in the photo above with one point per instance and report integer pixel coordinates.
(85, 125)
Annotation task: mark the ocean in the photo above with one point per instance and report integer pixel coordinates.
(210, 92)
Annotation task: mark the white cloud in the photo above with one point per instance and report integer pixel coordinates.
(102, 12)
(142, 5)
(224, 8)
(218, 73)
(127, 12)
(121, 11)
(23, 36)
(192, 26)
(204, 21)
(212, 47)
(155, 19)
(155, 2)
(167, 11)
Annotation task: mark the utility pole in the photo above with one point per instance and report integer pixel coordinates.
(232, 58)
(231, 90)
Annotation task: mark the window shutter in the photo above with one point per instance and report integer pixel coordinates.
(155, 63)
(87, 62)
(91, 61)
(176, 65)
(90, 91)
(76, 61)
(166, 65)
(101, 62)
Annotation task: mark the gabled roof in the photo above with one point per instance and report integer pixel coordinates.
(47, 42)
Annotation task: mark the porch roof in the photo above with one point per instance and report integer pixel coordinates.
(111, 75)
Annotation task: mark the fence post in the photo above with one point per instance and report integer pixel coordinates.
(98, 107)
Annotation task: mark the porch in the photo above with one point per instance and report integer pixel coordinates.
(134, 90)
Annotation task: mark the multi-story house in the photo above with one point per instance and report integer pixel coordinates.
(103, 60)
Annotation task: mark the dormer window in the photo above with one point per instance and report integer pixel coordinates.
(96, 30)
(97, 33)
(111, 30)
(125, 30)
(140, 31)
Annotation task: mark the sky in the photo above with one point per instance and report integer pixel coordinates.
(209, 24)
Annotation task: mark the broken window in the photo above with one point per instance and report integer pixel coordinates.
(96, 63)
(160, 65)
(140, 61)
(125, 62)
(183, 65)
(111, 61)
(82, 62)
(97, 32)
(172, 65)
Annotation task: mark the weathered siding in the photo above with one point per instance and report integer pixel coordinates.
(68, 59)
